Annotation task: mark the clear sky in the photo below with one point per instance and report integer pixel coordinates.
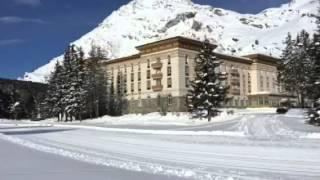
(34, 31)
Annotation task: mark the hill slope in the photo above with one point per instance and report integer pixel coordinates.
(142, 21)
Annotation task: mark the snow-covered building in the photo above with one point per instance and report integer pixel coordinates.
(158, 77)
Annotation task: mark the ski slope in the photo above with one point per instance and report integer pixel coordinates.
(270, 146)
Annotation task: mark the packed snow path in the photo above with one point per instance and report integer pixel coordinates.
(273, 147)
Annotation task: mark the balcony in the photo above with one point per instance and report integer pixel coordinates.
(157, 65)
(157, 76)
(157, 88)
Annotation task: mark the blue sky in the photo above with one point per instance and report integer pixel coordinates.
(34, 31)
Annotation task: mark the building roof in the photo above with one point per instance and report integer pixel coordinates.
(262, 57)
(126, 58)
(183, 42)
(234, 58)
(179, 39)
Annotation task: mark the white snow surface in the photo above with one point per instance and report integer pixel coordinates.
(143, 21)
(256, 144)
(171, 119)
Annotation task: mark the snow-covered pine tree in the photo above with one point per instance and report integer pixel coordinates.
(76, 92)
(52, 105)
(283, 77)
(314, 52)
(96, 84)
(73, 92)
(16, 107)
(208, 91)
(295, 68)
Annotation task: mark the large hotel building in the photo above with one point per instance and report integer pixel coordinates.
(158, 77)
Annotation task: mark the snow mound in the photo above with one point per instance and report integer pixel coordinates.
(266, 128)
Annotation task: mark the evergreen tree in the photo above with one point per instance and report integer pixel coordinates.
(314, 53)
(4, 104)
(66, 94)
(208, 91)
(295, 67)
(74, 91)
(16, 107)
(96, 84)
(52, 105)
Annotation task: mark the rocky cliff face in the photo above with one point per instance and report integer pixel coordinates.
(143, 21)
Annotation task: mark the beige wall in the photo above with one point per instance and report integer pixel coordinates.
(179, 89)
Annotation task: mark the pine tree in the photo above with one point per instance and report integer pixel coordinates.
(96, 84)
(314, 52)
(16, 107)
(295, 67)
(4, 104)
(74, 92)
(208, 91)
(53, 104)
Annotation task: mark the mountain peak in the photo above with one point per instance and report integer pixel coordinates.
(144, 21)
(161, 3)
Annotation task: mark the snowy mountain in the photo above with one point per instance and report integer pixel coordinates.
(143, 21)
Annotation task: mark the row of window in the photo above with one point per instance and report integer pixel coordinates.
(266, 81)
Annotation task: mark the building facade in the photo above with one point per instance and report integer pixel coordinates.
(158, 78)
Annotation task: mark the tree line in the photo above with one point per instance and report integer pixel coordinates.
(299, 69)
(79, 88)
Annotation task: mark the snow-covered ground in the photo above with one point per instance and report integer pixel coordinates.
(250, 145)
(155, 119)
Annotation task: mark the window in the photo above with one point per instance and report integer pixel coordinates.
(125, 77)
(249, 83)
(169, 100)
(132, 77)
(148, 85)
(187, 82)
(268, 83)
(148, 74)
(169, 60)
(139, 86)
(158, 100)
(119, 83)
(186, 59)
(244, 84)
(169, 71)
(132, 87)
(261, 83)
(139, 76)
(148, 62)
(187, 70)
(158, 82)
(169, 83)
(273, 83)
(125, 90)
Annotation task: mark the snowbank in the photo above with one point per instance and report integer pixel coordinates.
(152, 119)
(159, 132)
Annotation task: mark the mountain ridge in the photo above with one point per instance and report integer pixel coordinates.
(144, 21)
